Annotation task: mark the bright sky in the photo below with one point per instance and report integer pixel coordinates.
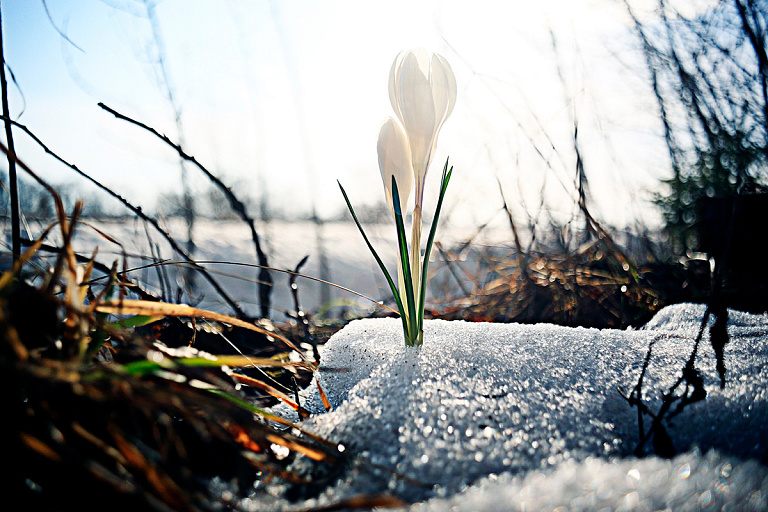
(284, 98)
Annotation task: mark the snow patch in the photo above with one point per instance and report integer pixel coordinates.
(484, 414)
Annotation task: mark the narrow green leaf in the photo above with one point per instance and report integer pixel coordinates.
(390, 282)
(146, 367)
(402, 244)
(432, 230)
(137, 321)
(244, 404)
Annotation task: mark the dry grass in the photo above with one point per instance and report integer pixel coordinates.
(591, 287)
(97, 415)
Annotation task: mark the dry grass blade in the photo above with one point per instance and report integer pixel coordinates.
(40, 447)
(262, 362)
(149, 308)
(303, 448)
(256, 383)
(9, 276)
(314, 437)
(324, 398)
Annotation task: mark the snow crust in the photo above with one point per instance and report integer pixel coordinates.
(529, 417)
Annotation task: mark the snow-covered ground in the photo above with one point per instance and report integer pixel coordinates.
(487, 417)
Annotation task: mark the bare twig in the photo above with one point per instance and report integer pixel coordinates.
(135, 209)
(301, 316)
(57, 29)
(162, 275)
(669, 134)
(749, 13)
(237, 206)
(12, 179)
(592, 224)
(513, 225)
(188, 202)
(450, 262)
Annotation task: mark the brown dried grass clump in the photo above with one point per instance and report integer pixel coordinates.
(590, 287)
(96, 416)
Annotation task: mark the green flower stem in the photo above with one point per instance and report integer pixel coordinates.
(416, 248)
(411, 289)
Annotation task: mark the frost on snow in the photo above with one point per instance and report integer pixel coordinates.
(529, 417)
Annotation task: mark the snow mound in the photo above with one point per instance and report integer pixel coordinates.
(504, 404)
(687, 483)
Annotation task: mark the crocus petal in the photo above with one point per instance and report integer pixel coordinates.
(417, 108)
(422, 90)
(395, 160)
(444, 85)
(394, 76)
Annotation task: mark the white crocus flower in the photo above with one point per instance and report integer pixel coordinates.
(422, 90)
(395, 160)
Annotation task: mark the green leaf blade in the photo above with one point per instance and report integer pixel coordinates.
(390, 282)
(402, 244)
(430, 240)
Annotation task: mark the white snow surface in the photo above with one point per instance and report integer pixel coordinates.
(489, 417)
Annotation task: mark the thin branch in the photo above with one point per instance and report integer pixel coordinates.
(138, 212)
(187, 199)
(301, 317)
(12, 178)
(648, 53)
(57, 29)
(757, 40)
(521, 255)
(236, 205)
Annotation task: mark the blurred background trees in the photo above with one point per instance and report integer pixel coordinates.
(709, 73)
